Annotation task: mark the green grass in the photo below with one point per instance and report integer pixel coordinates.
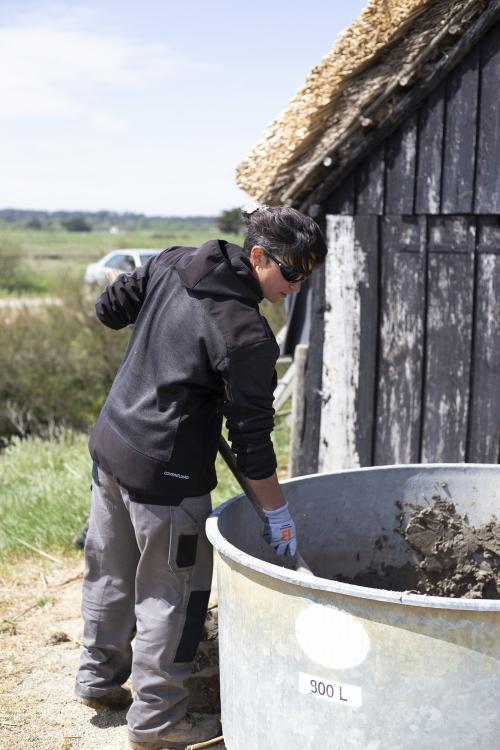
(44, 494)
(44, 491)
(89, 246)
(26, 267)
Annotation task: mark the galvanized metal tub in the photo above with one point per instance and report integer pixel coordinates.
(314, 663)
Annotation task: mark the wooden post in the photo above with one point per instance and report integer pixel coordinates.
(298, 410)
(349, 349)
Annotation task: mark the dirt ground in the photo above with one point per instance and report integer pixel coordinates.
(40, 632)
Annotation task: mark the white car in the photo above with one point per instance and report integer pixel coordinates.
(127, 260)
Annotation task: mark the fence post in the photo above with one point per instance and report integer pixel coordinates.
(300, 360)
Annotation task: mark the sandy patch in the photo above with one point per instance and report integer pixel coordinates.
(41, 629)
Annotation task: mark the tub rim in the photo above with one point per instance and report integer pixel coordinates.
(226, 549)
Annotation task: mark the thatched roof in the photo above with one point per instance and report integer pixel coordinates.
(393, 44)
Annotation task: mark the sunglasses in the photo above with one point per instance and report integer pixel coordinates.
(289, 273)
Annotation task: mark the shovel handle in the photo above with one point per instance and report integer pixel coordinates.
(227, 454)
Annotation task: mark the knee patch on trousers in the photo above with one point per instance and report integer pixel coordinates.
(193, 626)
(186, 550)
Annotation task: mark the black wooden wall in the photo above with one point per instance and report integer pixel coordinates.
(426, 205)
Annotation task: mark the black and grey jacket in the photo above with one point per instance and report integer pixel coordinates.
(199, 350)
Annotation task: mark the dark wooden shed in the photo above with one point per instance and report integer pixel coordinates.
(402, 168)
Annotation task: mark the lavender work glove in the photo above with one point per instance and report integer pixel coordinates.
(279, 531)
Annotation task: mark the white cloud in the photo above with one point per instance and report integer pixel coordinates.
(61, 14)
(51, 72)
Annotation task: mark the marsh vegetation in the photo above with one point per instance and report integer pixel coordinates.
(57, 363)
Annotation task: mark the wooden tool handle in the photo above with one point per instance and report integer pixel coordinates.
(227, 454)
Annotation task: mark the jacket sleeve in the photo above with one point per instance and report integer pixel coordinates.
(249, 382)
(119, 304)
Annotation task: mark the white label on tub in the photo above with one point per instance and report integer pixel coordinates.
(335, 692)
(331, 637)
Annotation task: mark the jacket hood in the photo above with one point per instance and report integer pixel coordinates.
(219, 268)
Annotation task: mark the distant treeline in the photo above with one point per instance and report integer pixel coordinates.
(97, 220)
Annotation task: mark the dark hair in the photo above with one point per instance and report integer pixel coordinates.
(288, 233)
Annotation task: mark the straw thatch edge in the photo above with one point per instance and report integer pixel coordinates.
(339, 95)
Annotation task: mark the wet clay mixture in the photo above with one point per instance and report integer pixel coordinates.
(456, 559)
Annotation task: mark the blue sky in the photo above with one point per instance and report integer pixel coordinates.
(148, 107)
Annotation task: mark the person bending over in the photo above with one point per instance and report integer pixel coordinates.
(200, 350)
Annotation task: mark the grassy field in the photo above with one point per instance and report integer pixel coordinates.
(27, 268)
(44, 483)
(91, 245)
(40, 261)
(44, 491)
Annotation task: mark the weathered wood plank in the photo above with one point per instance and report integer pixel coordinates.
(398, 113)
(341, 200)
(297, 429)
(337, 448)
(400, 164)
(487, 198)
(369, 184)
(460, 136)
(430, 152)
(484, 421)
(366, 237)
(345, 439)
(397, 438)
(308, 460)
(449, 337)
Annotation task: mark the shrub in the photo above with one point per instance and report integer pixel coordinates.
(15, 276)
(230, 221)
(57, 366)
(77, 224)
(34, 224)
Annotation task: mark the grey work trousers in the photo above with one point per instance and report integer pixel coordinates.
(148, 570)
